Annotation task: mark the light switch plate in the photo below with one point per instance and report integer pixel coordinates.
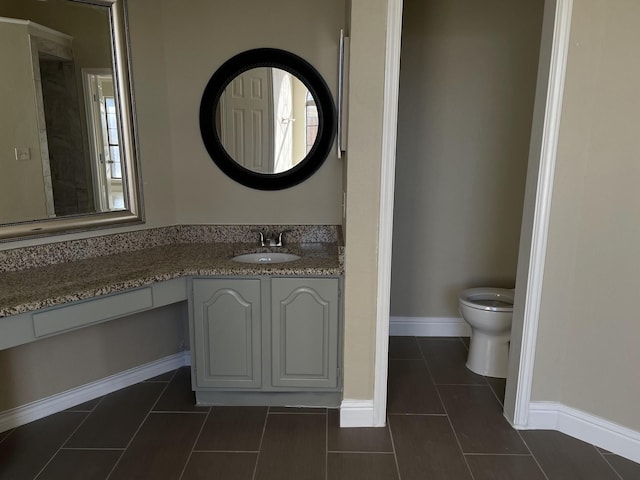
(23, 154)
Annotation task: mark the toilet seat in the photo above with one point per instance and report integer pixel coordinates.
(489, 299)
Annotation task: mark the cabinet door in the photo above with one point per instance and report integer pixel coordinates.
(304, 332)
(227, 333)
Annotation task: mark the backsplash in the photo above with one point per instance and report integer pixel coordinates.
(248, 233)
(73, 250)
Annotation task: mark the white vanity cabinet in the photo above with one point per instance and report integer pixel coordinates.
(266, 340)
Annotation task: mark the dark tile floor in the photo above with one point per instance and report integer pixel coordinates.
(444, 423)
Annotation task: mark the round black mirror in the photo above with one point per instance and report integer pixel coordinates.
(267, 119)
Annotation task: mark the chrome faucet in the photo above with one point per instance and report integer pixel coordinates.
(271, 239)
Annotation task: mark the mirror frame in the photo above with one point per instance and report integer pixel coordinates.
(126, 108)
(309, 76)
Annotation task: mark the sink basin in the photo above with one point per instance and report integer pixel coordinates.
(265, 258)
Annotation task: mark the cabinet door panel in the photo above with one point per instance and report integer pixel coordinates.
(227, 332)
(304, 332)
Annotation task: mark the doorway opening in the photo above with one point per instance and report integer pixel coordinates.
(549, 90)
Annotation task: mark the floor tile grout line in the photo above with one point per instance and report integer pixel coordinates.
(175, 372)
(195, 442)
(225, 451)
(92, 449)
(11, 430)
(489, 454)
(169, 380)
(100, 399)
(435, 386)
(486, 383)
(495, 394)
(65, 441)
(115, 465)
(604, 457)
(535, 459)
(393, 447)
(426, 364)
(165, 412)
(453, 430)
(264, 429)
(455, 435)
(347, 452)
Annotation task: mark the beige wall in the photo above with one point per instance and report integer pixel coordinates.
(587, 352)
(152, 110)
(46, 367)
(467, 86)
(21, 182)
(88, 26)
(199, 35)
(368, 27)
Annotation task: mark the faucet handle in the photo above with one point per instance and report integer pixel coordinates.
(261, 233)
(281, 238)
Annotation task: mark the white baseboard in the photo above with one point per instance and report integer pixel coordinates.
(428, 327)
(62, 401)
(356, 413)
(586, 427)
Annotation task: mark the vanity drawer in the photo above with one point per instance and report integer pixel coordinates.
(94, 311)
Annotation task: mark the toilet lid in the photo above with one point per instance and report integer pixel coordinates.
(492, 299)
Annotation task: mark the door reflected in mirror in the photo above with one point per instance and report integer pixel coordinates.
(267, 120)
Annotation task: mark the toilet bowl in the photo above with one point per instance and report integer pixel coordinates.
(489, 312)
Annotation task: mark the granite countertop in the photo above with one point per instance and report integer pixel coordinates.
(31, 289)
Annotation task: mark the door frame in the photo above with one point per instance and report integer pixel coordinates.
(535, 219)
(101, 187)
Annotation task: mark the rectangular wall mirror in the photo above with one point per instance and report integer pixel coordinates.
(67, 127)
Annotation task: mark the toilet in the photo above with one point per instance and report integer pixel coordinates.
(489, 312)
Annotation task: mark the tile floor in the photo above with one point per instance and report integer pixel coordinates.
(444, 423)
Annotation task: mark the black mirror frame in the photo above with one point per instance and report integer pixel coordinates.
(268, 57)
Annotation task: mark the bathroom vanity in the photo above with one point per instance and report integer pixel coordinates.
(265, 340)
(260, 333)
